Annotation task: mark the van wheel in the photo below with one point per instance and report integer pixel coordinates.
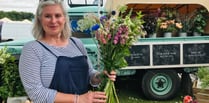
(160, 84)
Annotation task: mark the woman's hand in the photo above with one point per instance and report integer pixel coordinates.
(92, 97)
(111, 75)
(97, 77)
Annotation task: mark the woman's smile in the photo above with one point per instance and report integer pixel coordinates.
(53, 27)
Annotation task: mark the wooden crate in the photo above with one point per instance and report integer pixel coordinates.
(202, 95)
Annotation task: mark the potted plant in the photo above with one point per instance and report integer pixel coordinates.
(11, 85)
(167, 22)
(184, 28)
(168, 27)
(150, 26)
(199, 21)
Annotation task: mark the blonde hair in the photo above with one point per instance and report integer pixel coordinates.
(38, 31)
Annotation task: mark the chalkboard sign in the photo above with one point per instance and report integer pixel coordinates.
(196, 53)
(166, 54)
(140, 56)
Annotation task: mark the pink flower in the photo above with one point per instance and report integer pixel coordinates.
(115, 41)
(109, 36)
(104, 41)
(187, 99)
(122, 41)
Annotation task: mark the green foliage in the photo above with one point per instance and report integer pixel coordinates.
(200, 20)
(3, 55)
(186, 24)
(87, 22)
(203, 74)
(11, 83)
(17, 16)
(169, 13)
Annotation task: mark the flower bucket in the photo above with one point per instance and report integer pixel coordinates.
(153, 35)
(182, 34)
(168, 34)
(17, 99)
(196, 34)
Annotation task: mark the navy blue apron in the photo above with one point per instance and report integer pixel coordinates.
(71, 73)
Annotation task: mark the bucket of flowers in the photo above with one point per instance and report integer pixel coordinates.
(182, 30)
(169, 26)
(114, 35)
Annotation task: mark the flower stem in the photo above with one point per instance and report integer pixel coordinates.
(111, 92)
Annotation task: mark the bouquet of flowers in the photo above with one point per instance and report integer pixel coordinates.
(114, 36)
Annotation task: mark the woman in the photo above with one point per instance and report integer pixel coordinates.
(54, 68)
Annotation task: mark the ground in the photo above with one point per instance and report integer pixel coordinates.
(128, 89)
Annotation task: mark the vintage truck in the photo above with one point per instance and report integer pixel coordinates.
(161, 65)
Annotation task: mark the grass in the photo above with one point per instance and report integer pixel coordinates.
(129, 92)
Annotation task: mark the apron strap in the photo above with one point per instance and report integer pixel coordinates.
(55, 54)
(46, 48)
(76, 45)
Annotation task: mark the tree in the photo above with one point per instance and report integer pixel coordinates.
(17, 16)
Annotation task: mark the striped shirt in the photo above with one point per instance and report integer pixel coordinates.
(37, 66)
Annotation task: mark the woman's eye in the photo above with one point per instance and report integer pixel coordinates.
(53, 16)
(47, 16)
(58, 15)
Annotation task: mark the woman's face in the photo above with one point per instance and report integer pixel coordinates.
(52, 20)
